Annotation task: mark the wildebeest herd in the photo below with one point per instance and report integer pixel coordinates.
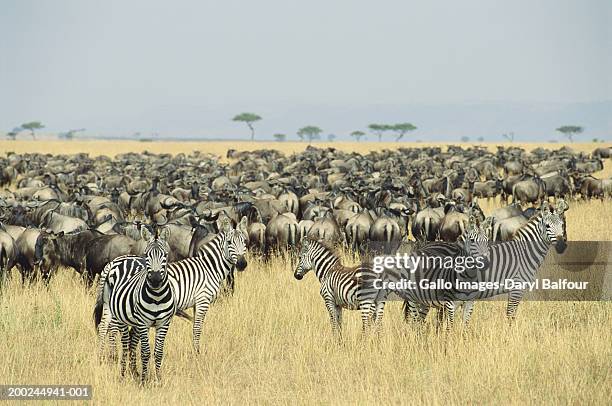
(89, 214)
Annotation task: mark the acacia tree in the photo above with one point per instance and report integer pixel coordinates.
(331, 137)
(570, 130)
(32, 126)
(249, 119)
(401, 129)
(465, 139)
(357, 135)
(69, 135)
(280, 137)
(379, 129)
(480, 139)
(309, 132)
(13, 133)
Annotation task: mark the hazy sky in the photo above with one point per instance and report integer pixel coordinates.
(185, 67)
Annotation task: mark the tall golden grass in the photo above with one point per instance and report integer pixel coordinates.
(271, 343)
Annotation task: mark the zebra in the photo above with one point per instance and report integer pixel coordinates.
(520, 258)
(473, 242)
(341, 287)
(135, 292)
(196, 281)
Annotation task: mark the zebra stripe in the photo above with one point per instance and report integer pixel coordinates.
(135, 292)
(341, 287)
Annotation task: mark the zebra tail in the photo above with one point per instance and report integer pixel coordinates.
(184, 315)
(97, 314)
(98, 308)
(427, 227)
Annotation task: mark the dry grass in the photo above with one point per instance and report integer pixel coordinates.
(271, 342)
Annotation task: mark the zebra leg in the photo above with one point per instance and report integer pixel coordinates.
(133, 347)
(113, 331)
(446, 313)
(450, 314)
(145, 350)
(335, 317)
(103, 329)
(514, 298)
(231, 282)
(378, 316)
(200, 312)
(367, 315)
(468, 308)
(415, 311)
(160, 336)
(125, 345)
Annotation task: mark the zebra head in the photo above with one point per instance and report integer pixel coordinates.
(553, 229)
(156, 257)
(234, 245)
(305, 259)
(476, 237)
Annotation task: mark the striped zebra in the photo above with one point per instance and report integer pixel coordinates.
(196, 281)
(341, 287)
(520, 258)
(135, 292)
(473, 242)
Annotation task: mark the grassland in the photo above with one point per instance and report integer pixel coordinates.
(271, 343)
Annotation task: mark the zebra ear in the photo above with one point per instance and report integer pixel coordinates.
(224, 225)
(488, 222)
(145, 233)
(164, 233)
(242, 226)
(561, 206)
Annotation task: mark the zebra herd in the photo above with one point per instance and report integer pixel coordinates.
(140, 292)
(517, 260)
(90, 214)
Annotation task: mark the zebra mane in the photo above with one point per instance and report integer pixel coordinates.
(218, 237)
(325, 244)
(536, 221)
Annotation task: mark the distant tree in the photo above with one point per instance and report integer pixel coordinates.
(419, 140)
(331, 137)
(32, 126)
(570, 130)
(69, 135)
(401, 129)
(379, 129)
(509, 136)
(595, 139)
(310, 133)
(280, 137)
(465, 139)
(11, 135)
(357, 135)
(249, 119)
(480, 139)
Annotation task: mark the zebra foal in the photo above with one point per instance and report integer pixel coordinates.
(342, 287)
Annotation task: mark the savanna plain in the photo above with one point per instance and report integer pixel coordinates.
(271, 342)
